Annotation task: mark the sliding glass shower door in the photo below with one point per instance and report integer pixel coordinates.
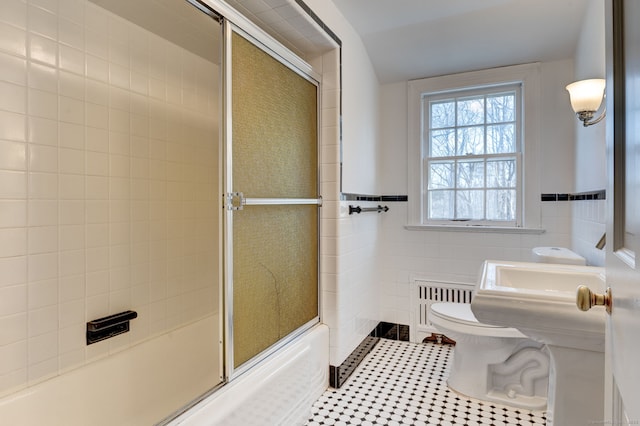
(271, 200)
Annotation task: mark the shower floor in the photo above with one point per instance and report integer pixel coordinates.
(401, 383)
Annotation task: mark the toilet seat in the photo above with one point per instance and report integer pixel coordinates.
(458, 317)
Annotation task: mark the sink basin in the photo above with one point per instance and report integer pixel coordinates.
(539, 299)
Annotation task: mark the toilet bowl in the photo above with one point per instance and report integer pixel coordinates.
(492, 363)
(496, 363)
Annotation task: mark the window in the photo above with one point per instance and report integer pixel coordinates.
(473, 149)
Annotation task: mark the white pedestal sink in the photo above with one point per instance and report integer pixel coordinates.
(539, 299)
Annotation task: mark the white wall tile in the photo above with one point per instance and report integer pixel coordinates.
(43, 293)
(12, 40)
(14, 242)
(71, 110)
(13, 271)
(13, 300)
(14, 334)
(72, 34)
(14, 12)
(13, 184)
(71, 187)
(43, 77)
(71, 135)
(13, 213)
(96, 67)
(42, 348)
(12, 126)
(13, 68)
(71, 161)
(12, 356)
(43, 50)
(43, 320)
(72, 212)
(43, 104)
(42, 22)
(43, 131)
(13, 97)
(72, 85)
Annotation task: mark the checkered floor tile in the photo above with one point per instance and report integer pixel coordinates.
(401, 383)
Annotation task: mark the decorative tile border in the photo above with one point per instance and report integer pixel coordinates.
(363, 197)
(338, 375)
(387, 330)
(590, 195)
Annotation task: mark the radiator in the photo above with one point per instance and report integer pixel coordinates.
(424, 292)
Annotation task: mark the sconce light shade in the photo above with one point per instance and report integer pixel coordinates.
(586, 97)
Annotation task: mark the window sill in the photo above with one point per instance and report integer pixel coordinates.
(475, 228)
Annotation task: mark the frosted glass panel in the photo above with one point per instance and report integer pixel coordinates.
(275, 275)
(275, 247)
(274, 127)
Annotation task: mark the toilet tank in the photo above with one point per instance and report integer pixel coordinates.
(557, 255)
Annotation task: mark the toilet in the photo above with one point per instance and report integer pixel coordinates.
(494, 363)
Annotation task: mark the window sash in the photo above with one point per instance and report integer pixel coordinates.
(486, 189)
(481, 191)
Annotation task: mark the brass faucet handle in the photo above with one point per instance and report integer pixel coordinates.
(586, 299)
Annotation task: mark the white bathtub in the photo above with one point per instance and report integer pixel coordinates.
(279, 391)
(138, 386)
(142, 385)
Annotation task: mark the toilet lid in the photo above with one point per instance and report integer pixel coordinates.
(460, 313)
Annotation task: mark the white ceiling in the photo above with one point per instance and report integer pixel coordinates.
(409, 39)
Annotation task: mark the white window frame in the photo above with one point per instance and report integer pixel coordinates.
(528, 76)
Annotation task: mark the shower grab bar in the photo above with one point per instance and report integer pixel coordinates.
(359, 209)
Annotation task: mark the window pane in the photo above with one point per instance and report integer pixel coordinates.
(471, 174)
(501, 173)
(470, 111)
(501, 204)
(470, 204)
(501, 139)
(443, 114)
(441, 175)
(443, 143)
(471, 140)
(440, 204)
(501, 108)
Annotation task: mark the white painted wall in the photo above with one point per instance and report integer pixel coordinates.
(350, 304)
(590, 63)
(589, 217)
(360, 98)
(457, 256)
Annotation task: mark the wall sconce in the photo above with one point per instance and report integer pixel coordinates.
(586, 97)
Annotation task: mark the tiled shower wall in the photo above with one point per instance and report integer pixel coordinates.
(108, 184)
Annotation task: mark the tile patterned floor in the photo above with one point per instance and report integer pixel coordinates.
(401, 383)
